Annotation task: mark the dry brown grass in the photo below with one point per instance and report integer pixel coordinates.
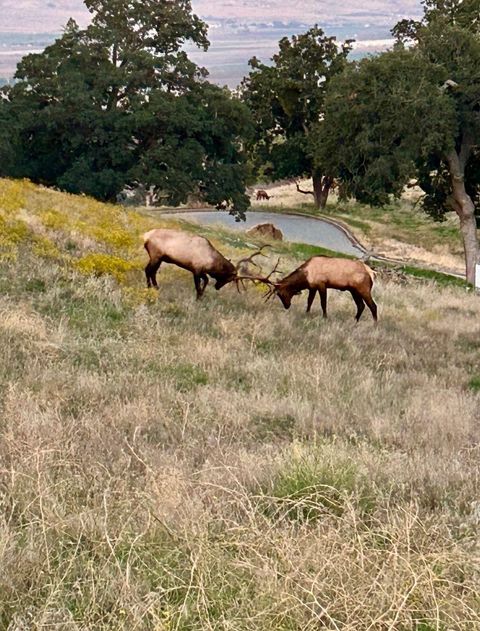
(167, 464)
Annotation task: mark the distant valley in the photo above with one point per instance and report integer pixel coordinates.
(238, 30)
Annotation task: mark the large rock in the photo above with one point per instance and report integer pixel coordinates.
(267, 230)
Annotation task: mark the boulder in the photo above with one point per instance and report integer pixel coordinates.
(267, 230)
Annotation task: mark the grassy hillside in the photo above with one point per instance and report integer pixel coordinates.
(167, 464)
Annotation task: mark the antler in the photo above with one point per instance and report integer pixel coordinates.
(249, 259)
(260, 279)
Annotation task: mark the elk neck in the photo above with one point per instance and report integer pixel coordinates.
(296, 281)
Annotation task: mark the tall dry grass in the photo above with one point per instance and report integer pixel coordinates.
(168, 464)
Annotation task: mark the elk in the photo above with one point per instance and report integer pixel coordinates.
(263, 195)
(321, 273)
(193, 253)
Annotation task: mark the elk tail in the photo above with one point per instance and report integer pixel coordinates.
(146, 237)
(371, 273)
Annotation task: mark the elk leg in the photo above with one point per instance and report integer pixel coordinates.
(359, 302)
(201, 282)
(311, 297)
(204, 277)
(371, 305)
(323, 300)
(198, 286)
(151, 273)
(147, 275)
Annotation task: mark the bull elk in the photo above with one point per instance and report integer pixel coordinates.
(321, 273)
(193, 253)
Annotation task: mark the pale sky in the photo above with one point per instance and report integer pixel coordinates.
(51, 15)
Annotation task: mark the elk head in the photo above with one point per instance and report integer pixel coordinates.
(228, 272)
(284, 292)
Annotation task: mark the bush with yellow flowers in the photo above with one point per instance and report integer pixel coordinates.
(12, 197)
(101, 264)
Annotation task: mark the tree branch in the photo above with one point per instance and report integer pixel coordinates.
(303, 192)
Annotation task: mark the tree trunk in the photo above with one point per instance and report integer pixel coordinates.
(463, 205)
(321, 189)
(468, 226)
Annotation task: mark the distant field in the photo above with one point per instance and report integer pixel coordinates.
(233, 43)
(172, 464)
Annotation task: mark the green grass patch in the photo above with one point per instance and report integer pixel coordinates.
(445, 280)
(303, 251)
(474, 383)
(35, 285)
(309, 488)
(187, 376)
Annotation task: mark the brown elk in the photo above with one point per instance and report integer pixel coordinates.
(321, 273)
(193, 253)
(263, 195)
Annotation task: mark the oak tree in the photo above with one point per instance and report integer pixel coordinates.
(414, 113)
(287, 102)
(119, 104)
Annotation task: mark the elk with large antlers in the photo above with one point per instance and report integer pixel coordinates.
(193, 253)
(321, 273)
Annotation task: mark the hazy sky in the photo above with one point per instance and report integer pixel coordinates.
(49, 15)
(239, 29)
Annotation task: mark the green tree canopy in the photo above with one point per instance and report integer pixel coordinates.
(413, 113)
(120, 104)
(287, 101)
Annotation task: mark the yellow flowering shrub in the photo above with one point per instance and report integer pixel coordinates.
(137, 296)
(114, 236)
(13, 230)
(44, 247)
(8, 250)
(101, 264)
(54, 219)
(139, 224)
(12, 197)
(108, 238)
(109, 226)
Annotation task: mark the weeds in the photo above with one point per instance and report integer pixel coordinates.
(169, 464)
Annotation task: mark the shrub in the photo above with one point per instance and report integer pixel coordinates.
(101, 264)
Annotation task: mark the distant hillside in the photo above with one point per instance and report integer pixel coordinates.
(238, 30)
(36, 15)
(224, 464)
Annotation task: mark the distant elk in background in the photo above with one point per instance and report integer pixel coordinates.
(321, 273)
(193, 253)
(261, 194)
